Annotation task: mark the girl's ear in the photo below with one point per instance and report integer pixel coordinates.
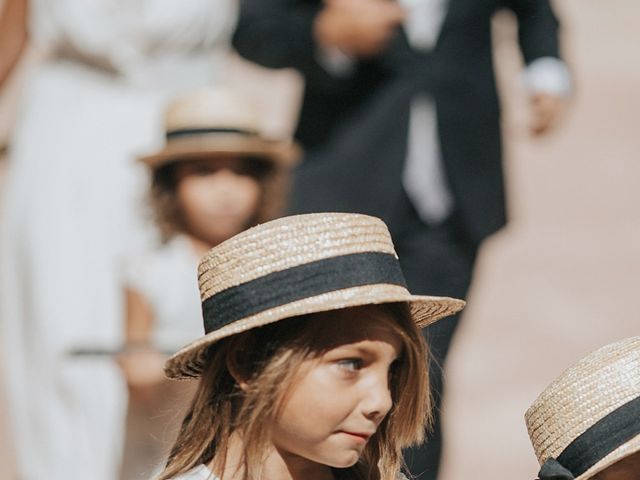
(237, 370)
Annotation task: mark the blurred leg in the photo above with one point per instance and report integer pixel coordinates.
(153, 423)
(436, 260)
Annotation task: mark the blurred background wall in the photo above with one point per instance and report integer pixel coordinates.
(562, 278)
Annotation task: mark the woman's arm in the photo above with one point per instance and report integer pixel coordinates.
(13, 35)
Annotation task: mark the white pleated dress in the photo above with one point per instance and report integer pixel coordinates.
(71, 210)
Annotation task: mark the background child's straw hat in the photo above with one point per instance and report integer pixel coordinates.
(294, 266)
(215, 121)
(589, 417)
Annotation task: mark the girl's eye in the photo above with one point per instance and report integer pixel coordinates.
(195, 170)
(350, 364)
(203, 171)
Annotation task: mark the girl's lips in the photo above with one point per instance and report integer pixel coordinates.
(359, 436)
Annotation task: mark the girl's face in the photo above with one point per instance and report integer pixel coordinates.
(337, 401)
(217, 197)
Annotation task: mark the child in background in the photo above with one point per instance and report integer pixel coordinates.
(312, 364)
(586, 424)
(215, 177)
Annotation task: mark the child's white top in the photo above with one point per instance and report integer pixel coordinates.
(168, 280)
(201, 472)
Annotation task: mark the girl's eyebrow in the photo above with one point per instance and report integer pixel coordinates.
(364, 351)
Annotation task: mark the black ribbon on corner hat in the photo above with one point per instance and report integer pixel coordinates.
(599, 440)
(300, 282)
(553, 470)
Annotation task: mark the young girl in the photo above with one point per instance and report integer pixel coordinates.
(312, 364)
(215, 177)
(586, 424)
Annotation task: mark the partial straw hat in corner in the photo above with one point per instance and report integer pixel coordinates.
(295, 266)
(589, 417)
(216, 121)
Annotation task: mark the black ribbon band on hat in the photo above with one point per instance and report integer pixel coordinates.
(602, 438)
(297, 283)
(553, 470)
(186, 132)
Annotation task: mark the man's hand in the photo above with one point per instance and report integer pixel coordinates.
(360, 28)
(546, 110)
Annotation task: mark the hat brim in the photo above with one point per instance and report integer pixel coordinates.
(190, 360)
(280, 153)
(620, 453)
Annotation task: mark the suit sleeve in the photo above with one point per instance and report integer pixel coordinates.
(279, 34)
(537, 28)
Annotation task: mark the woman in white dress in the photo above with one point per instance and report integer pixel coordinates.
(69, 209)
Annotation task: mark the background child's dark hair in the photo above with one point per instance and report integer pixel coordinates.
(272, 355)
(166, 209)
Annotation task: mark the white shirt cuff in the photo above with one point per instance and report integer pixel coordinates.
(547, 75)
(335, 62)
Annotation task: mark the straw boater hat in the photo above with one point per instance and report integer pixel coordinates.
(295, 266)
(216, 121)
(589, 417)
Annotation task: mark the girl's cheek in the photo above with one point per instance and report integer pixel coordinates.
(325, 374)
(249, 191)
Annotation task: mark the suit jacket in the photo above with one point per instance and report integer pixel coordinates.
(354, 129)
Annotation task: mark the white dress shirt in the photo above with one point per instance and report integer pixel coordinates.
(424, 178)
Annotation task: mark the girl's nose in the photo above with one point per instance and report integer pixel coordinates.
(378, 401)
(226, 172)
(226, 178)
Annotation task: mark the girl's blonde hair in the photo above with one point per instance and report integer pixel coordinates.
(273, 354)
(168, 216)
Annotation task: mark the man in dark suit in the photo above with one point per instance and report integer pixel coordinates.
(400, 119)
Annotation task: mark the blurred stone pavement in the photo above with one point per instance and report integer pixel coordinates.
(561, 280)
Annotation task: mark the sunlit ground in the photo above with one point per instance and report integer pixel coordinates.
(563, 278)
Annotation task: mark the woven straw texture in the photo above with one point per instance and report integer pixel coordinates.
(289, 242)
(286, 243)
(584, 394)
(218, 108)
(281, 153)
